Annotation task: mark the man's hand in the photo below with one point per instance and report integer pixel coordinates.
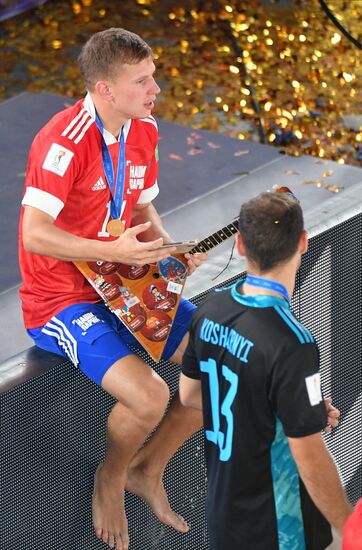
(127, 249)
(194, 261)
(333, 416)
(321, 478)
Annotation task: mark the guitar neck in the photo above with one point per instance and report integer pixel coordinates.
(216, 238)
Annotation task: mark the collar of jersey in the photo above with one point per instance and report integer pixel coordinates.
(108, 137)
(258, 300)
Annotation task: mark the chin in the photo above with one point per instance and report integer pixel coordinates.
(144, 114)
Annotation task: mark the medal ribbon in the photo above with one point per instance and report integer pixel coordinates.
(115, 188)
(260, 282)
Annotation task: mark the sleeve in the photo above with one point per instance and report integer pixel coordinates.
(50, 175)
(151, 188)
(190, 364)
(295, 392)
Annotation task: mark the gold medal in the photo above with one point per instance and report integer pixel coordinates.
(115, 227)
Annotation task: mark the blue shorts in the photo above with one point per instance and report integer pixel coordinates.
(93, 338)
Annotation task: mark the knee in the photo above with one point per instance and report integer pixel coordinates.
(152, 402)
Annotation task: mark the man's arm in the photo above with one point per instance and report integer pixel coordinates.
(190, 392)
(147, 212)
(42, 236)
(320, 477)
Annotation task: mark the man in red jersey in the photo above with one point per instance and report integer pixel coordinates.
(91, 179)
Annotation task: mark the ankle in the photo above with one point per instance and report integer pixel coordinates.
(112, 476)
(148, 469)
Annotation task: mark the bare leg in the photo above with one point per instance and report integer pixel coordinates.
(142, 396)
(145, 473)
(147, 467)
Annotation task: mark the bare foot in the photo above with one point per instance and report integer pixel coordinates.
(151, 490)
(109, 518)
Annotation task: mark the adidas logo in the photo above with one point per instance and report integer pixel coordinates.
(99, 185)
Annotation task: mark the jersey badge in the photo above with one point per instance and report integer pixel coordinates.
(99, 185)
(137, 177)
(313, 384)
(58, 159)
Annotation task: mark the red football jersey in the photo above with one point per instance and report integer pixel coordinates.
(65, 178)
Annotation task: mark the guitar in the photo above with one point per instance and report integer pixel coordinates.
(145, 298)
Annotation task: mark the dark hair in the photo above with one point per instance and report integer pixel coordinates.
(103, 54)
(270, 225)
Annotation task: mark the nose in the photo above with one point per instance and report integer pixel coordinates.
(154, 89)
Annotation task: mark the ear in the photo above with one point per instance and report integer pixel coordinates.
(103, 90)
(303, 243)
(240, 245)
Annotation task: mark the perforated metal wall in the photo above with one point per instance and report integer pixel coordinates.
(53, 427)
(52, 439)
(329, 302)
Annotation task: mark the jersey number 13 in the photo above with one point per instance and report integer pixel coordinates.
(216, 436)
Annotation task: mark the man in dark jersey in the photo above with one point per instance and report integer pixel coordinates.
(254, 371)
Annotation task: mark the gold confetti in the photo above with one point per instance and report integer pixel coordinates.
(77, 8)
(334, 188)
(303, 74)
(317, 182)
(57, 44)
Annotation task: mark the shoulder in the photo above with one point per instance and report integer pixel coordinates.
(68, 136)
(69, 128)
(217, 303)
(292, 329)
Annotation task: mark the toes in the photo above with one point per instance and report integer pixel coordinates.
(111, 541)
(122, 542)
(98, 532)
(105, 536)
(183, 525)
(176, 521)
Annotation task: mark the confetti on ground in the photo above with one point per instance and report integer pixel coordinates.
(334, 188)
(291, 172)
(173, 156)
(318, 182)
(195, 135)
(195, 151)
(293, 77)
(213, 145)
(241, 153)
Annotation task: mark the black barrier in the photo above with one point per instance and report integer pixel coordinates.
(53, 421)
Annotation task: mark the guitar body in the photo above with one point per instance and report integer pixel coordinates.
(146, 298)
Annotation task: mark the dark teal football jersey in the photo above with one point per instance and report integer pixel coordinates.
(259, 372)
